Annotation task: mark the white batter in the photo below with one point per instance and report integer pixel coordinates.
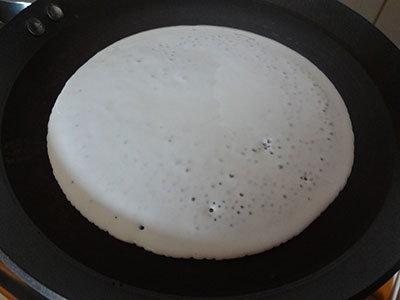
(200, 141)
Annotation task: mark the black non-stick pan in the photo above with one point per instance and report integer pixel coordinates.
(346, 253)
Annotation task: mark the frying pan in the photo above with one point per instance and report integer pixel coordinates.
(352, 248)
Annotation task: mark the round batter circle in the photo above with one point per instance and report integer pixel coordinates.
(200, 141)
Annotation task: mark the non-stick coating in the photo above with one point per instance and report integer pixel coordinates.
(90, 26)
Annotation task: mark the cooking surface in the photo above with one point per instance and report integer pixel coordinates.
(24, 140)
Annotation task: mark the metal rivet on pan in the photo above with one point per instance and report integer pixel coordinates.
(54, 12)
(35, 26)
